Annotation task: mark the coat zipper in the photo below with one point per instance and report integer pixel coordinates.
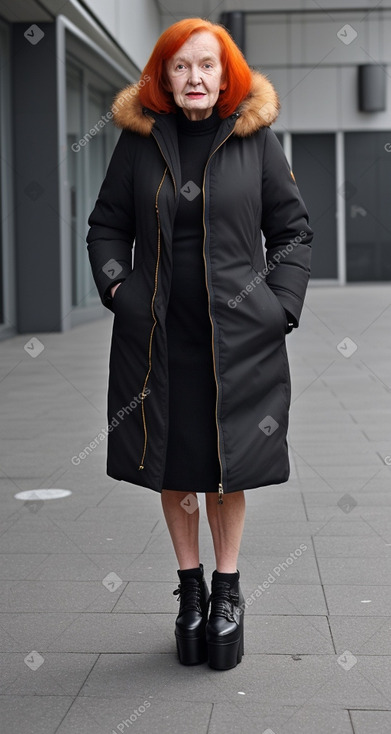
(221, 488)
(143, 393)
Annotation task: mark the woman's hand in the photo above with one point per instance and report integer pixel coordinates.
(114, 288)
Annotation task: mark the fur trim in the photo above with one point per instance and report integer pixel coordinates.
(128, 112)
(259, 109)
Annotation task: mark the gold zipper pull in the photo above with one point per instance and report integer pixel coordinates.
(220, 500)
(143, 396)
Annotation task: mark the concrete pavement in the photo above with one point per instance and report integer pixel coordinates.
(86, 605)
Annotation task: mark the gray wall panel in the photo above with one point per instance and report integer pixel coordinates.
(36, 181)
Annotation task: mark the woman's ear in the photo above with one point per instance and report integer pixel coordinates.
(223, 85)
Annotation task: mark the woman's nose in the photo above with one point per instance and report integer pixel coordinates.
(195, 76)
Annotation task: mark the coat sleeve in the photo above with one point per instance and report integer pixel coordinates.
(287, 232)
(112, 223)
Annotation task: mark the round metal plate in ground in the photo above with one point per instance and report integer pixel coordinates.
(43, 494)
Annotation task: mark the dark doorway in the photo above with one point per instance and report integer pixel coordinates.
(368, 206)
(313, 165)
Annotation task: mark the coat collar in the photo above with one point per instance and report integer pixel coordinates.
(259, 109)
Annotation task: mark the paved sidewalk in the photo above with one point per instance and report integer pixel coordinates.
(81, 653)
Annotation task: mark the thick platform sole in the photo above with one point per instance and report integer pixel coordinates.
(225, 655)
(191, 651)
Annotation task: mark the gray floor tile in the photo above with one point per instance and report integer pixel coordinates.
(334, 526)
(120, 714)
(23, 632)
(279, 511)
(240, 716)
(47, 674)
(268, 679)
(147, 598)
(106, 652)
(287, 635)
(276, 545)
(20, 541)
(364, 499)
(137, 632)
(363, 635)
(287, 599)
(361, 600)
(77, 566)
(33, 714)
(352, 547)
(59, 596)
(21, 565)
(282, 569)
(335, 472)
(371, 722)
(358, 513)
(355, 571)
(150, 567)
(365, 685)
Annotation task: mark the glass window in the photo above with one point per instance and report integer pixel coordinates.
(7, 268)
(75, 174)
(90, 142)
(314, 168)
(368, 211)
(1, 231)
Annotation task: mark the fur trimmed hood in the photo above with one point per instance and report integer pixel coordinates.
(259, 109)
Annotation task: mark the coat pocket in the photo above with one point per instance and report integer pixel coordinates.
(116, 296)
(131, 304)
(278, 307)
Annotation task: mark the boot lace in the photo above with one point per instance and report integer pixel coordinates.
(223, 598)
(189, 595)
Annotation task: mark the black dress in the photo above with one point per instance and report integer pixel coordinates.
(192, 462)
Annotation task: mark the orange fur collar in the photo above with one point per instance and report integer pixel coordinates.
(259, 109)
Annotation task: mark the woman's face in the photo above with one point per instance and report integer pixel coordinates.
(195, 75)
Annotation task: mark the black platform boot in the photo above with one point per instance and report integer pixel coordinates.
(193, 595)
(225, 627)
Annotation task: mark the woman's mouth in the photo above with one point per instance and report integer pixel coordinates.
(195, 95)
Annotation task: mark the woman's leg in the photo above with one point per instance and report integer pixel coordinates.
(224, 628)
(182, 526)
(193, 593)
(226, 522)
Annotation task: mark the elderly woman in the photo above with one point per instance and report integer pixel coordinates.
(199, 385)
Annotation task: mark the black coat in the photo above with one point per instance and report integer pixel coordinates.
(248, 187)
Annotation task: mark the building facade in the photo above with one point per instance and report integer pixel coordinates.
(61, 64)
